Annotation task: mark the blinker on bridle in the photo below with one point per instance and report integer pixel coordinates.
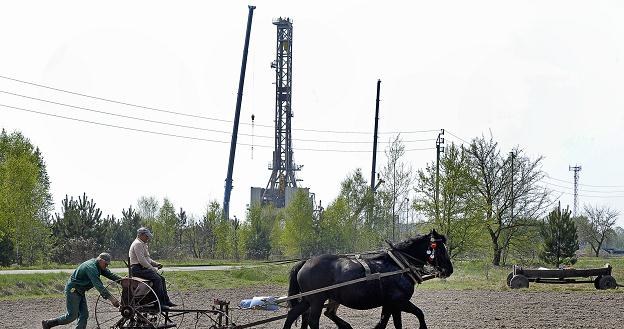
(431, 251)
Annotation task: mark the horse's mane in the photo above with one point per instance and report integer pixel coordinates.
(408, 243)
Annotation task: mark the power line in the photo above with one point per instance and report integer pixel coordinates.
(589, 196)
(590, 191)
(568, 182)
(461, 139)
(201, 116)
(185, 137)
(194, 127)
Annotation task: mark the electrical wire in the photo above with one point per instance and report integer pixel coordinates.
(187, 137)
(194, 127)
(450, 133)
(582, 190)
(201, 116)
(588, 196)
(604, 186)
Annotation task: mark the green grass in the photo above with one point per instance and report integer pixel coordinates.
(17, 286)
(468, 275)
(119, 263)
(481, 275)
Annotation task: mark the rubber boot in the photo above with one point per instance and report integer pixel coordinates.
(47, 324)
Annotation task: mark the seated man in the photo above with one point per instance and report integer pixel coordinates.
(143, 266)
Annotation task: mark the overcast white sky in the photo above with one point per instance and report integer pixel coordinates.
(544, 75)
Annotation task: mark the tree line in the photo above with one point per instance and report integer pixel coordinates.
(489, 204)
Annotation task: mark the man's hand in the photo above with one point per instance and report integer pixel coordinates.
(114, 301)
(159, 266)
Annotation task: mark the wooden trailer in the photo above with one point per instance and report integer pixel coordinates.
(600, 277)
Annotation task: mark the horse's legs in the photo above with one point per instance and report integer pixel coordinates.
(332, 308)
(396, 319)
(304, 319)
(408, 307)
(316, 307)
(385, 316)
(294, 313)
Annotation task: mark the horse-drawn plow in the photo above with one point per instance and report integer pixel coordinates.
(140, 308)
(376, 278)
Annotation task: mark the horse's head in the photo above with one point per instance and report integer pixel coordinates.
(438, 255)
(431, 250)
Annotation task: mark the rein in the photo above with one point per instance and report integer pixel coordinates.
(413, 263)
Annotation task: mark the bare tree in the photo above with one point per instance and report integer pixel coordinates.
(510, 196)
(148, 207)
(398, 179)
(596, 225)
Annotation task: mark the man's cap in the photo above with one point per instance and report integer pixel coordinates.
(105, 257)
(146, 231)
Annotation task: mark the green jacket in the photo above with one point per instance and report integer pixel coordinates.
(87, 276)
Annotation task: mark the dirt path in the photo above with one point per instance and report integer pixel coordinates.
(443, 309)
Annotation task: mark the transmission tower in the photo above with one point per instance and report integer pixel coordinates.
(282, 167)
(576, 170)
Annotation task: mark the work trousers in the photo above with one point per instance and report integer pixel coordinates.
(76, 308)
(158, 281)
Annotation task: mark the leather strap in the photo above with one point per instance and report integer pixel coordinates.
(367, 270)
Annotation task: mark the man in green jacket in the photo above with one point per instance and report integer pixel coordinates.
(85, 277)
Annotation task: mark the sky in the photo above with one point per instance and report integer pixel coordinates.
(545, 76)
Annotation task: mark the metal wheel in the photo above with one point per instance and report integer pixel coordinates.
(597, 282)
(140, 307)
(607, 282)
(519, 281)
(509, 276)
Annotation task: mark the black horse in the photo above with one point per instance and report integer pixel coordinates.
(393, 292)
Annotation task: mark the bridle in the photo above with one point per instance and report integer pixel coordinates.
(433, 245)
(431, 259)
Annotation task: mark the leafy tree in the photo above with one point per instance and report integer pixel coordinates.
(597, 225)
(76, 228)
(79, 218)
(398, 178)
(259, 231)
(6, 250)
(223, 237)
(503, 185)
(616, 240)
(164, 227)
(25, 200)
(130, 222)
(337, 232)
(299, 237)
(110, 237)
(458, 218)
(181, 221)
(560, 238)
(201, 237)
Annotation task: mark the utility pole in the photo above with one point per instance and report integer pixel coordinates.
(512, 155)
(375, 136)
(576, 170)
(374, 166)
(439, 149)
(239, 100)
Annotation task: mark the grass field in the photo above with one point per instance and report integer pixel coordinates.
(468, 275)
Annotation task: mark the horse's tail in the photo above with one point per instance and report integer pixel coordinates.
(293, 285)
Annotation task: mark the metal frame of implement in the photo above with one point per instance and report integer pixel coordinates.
(602, 278)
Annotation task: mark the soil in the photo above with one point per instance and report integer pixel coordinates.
(443, 309)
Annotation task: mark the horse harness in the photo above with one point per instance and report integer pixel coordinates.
(400, 258)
